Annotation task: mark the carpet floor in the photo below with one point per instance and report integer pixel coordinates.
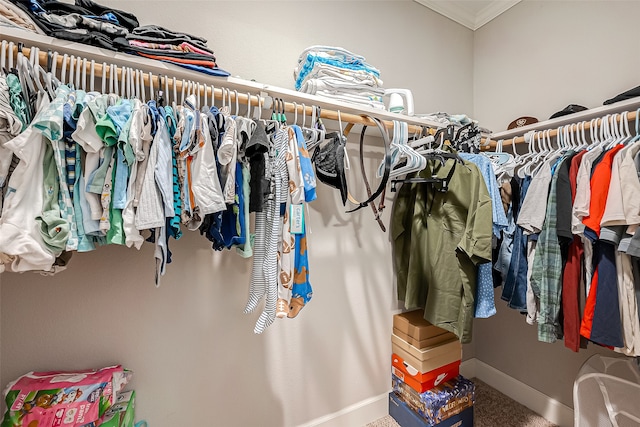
(491, 409)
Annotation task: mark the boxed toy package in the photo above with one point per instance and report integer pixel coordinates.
(439, 403)
(406, 417)
(67, 399)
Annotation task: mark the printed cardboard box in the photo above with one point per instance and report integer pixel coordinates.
(429, 364)
(428, 342)
(412, 323)
(423, 381)
(449, 347)
(439, 403)
(406, 417)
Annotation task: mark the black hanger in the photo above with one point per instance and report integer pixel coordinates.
(160, 99)
(49, 60)
(434, 179)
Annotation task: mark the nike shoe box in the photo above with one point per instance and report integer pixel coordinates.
(425, 368)
(441, 402)
(406, 417)
(423, 381)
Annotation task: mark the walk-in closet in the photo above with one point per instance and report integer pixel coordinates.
(267, 296)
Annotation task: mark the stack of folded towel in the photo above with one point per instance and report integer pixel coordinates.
(336, 73)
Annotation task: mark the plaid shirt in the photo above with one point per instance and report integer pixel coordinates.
(546, 275)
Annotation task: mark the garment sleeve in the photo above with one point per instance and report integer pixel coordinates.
(476, 241)
(296, 183)
(400, 234)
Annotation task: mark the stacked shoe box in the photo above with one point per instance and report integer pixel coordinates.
(427, 387)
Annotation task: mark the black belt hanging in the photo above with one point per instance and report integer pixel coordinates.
(380, 191)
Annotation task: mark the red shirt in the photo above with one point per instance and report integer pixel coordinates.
(600, 180)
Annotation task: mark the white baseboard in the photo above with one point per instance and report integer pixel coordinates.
(554, 411)
(358, 414)
(373, 408)
(468, 368)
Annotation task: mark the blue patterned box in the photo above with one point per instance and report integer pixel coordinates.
(439, 403)
(406, 417)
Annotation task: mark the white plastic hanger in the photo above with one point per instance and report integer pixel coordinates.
(257, 111)
(10, 57)
(143, 90)
(212, 98)
(636, 137)
(415, 161)
(79, 72)
(52, 79)
(63, 69)
(521, 159)
(3, 57)
(27, 74)
(112, 79)
(184, 86)
(304, 115)
(152, 93)
(166, 90)
(235, 94)
(104, 78)
(248, 115)
(418, 143)
(295, 113)
(543, 150)
(72, 71)
(174, 101)
(84, 71)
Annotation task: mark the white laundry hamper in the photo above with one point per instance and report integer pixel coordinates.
(606, 393)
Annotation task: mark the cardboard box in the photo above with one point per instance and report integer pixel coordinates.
(439, 403)
(412, 323)
(121, 413)
(422, 354)
(404, 416)
(429, 364)
(428, 342)
(423, 381)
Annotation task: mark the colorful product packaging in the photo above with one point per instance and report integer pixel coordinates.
(66, 399)
(423, 381)
(406, 417)
(439, 403)
(121, 413)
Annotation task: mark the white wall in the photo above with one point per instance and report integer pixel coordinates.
(540, 56)
(533, 60)
(195, 357)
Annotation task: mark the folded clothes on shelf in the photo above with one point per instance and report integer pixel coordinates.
(90, 23)
(339, 74)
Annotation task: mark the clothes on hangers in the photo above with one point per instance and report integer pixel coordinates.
(572, 232)
(104, 169)
(441, 233)
(485, 306)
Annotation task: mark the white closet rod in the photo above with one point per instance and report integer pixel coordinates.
(416, 125)
(516, 136)
(631, 116)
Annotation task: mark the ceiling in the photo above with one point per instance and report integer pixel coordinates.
(472, 14)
